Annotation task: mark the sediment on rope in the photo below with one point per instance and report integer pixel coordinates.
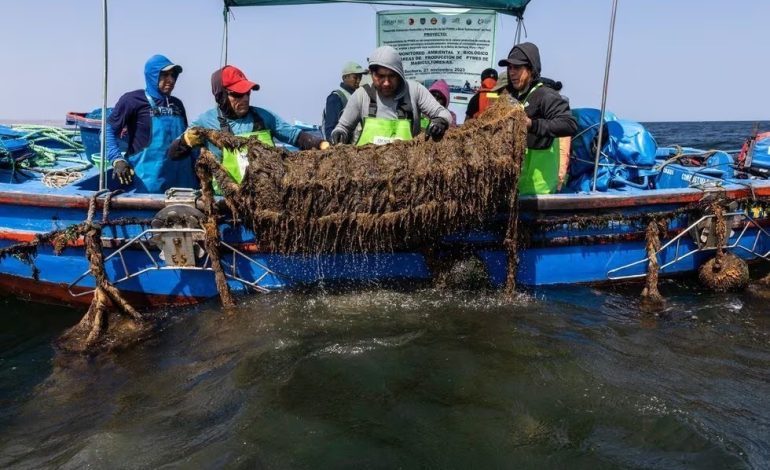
(651, 298)
(725, 271)
(102, 328)
(211, 232)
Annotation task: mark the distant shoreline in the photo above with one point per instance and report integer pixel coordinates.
(36, 122)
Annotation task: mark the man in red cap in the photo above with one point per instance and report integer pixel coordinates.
(233, 114)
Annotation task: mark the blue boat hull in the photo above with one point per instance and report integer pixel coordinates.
(552, 253)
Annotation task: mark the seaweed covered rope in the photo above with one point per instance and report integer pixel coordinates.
(375, 198)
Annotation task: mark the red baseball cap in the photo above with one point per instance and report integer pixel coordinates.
(234, 80)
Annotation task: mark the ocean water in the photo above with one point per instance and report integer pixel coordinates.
(569, 377)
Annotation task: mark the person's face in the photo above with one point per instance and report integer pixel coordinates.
(439, 97)
(386, 81)
(167, 81)
(239, 102)
(519, 76)
(353, 80)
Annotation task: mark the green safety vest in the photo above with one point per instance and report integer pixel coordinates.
(424, 123)
(540, 170)
(235, 161)
(379, 131)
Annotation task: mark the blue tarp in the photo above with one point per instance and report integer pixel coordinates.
(627, 148)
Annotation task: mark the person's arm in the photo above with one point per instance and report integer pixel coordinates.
(179, 148)
(332, 112)
(285, 132)
(280, 129)
(113, 149)
(473, 107)
(183, 146)
(351, 115)
(557, 120)
(115, 124)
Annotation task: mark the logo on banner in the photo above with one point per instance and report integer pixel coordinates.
(443, 20)
(422, 20)
(469, 21)
(433, 21)
(411, 21)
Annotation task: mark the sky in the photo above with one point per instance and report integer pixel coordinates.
(683, 60)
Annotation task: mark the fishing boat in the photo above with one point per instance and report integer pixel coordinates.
(153, 242)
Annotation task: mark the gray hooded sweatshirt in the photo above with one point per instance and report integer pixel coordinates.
(423, 103)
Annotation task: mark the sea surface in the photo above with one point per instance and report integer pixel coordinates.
(569, 377)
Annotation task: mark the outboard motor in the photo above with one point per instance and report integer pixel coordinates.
(177, 229)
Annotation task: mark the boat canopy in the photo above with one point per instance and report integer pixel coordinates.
(509, 7)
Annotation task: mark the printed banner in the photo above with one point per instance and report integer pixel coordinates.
(451, 44)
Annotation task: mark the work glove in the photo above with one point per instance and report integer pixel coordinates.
(436, 129)
(122, 172)
(193, 138)
(339, 136)
(311, 140)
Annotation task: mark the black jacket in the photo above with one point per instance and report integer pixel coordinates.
(550, 115)
(548, 110)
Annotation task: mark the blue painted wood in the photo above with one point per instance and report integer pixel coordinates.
(564, 254)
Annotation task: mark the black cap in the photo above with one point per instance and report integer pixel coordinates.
(515, 57)
(489, 73)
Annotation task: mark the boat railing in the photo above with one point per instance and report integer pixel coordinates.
(230, 267)
(743, 217)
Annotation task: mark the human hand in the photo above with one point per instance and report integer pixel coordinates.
(122, 171)
(192, 137)
(436, 129)
(339, 136)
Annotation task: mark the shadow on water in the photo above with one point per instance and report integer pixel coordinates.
(574, 378)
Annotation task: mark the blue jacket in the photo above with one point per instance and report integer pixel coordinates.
(333, 110)
(133, 112)
(280, 129)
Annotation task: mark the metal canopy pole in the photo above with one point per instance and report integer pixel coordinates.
(519, 27)
(102, 135)
(600, 136)
(226, 38)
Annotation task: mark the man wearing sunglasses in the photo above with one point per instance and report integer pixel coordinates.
(152, 118)
(234, 114)
(391, 108)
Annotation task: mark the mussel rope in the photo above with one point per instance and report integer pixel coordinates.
(95, 321)
(211, 232)
(650, 293)
(720, 233)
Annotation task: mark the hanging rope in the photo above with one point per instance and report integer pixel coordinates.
(651, 297)
(101, 328)
(725, 271)
(211, 232)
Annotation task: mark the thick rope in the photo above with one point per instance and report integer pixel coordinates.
(93, 333)
(211, 233)
(650, 295)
